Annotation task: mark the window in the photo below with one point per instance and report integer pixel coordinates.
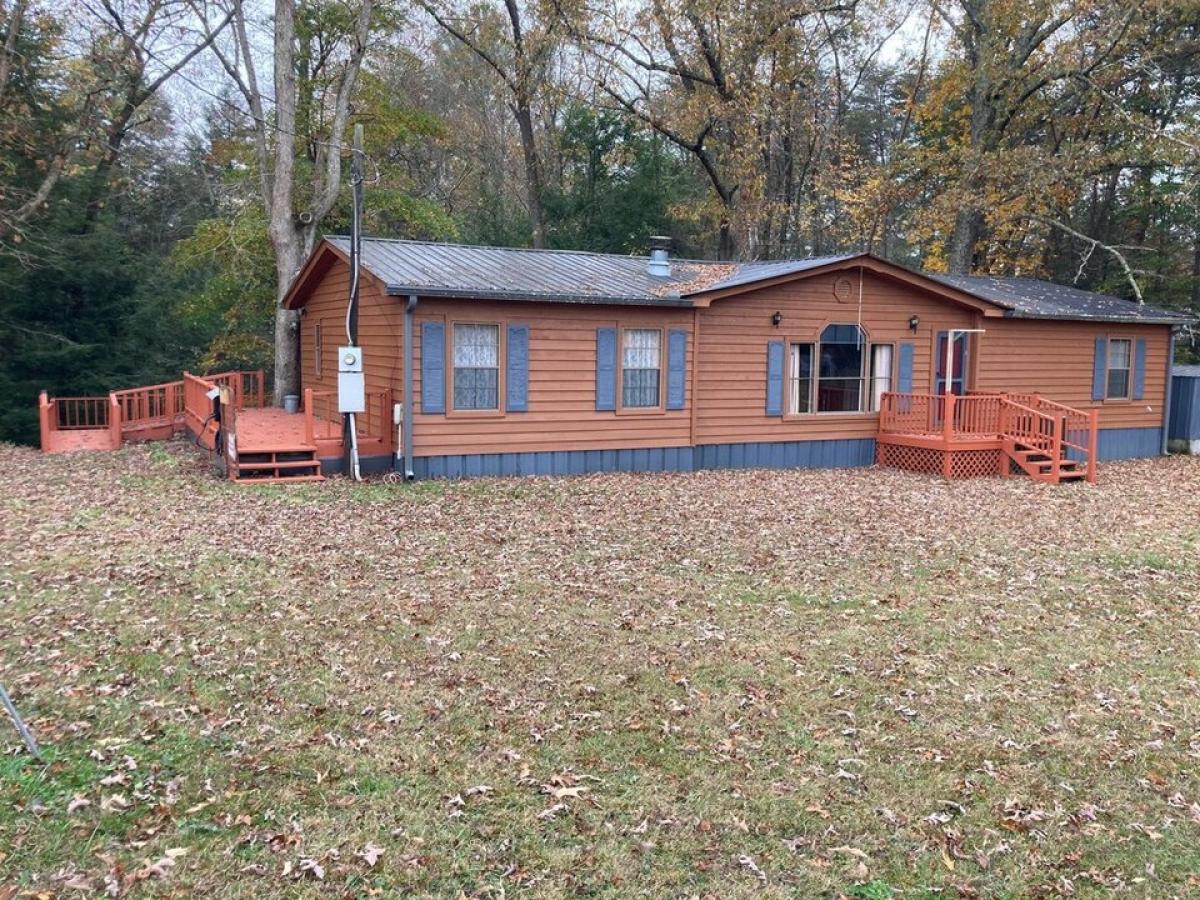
(801, 384)
(840, 376)
(318, 348)
(641, 360)
(1119, 356)
(476, 367)
(881, 373)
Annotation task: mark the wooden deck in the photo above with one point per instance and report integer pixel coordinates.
(271, 430)
(987, 434)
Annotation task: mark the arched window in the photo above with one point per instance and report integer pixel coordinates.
(840, 373)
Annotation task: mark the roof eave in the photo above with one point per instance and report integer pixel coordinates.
(1080, 317)
(403, 290)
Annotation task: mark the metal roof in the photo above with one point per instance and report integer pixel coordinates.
(433, 269)
(1034, 299)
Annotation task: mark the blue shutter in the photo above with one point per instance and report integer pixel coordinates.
(676, 369)
(433, 367)
(606, 368)
(1139, 369)
(516, 375)
(775, 378)
(904, 378)
(1100, 368)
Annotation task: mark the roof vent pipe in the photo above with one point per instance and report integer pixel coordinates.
(660, 264)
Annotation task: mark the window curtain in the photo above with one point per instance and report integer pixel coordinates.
(476, 367)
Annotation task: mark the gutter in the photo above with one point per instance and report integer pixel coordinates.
(407, 424)
(456, 293)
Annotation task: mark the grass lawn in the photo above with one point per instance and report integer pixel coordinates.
(730, 684)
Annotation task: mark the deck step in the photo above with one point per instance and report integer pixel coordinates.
(283, 465)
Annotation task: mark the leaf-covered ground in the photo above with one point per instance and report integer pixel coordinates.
(763, 683)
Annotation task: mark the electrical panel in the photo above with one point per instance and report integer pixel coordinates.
(352, 395)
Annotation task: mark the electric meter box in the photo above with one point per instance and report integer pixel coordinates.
(351, 388)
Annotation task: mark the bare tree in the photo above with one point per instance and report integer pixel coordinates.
(295, 210)
(519, 57)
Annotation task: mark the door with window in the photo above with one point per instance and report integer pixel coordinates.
(958, 368)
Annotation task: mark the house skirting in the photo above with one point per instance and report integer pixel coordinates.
(1129, 443)
(1114, 443)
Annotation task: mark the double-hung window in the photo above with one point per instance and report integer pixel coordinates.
(881, 373)
(801, 383)
(1120, 355)
(477, 367)
(641, 367)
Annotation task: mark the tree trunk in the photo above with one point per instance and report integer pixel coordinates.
(533, 172)
(282, 230)
(961, 254)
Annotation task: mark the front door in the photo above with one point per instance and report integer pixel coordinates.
(958, 372)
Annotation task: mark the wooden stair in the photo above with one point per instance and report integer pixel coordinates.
(1039, 465)
(276, 466)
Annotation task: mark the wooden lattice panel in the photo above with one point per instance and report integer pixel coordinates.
(975, 463)
(911, 459)
(931, 461)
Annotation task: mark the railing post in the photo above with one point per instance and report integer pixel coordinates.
(948, 418)
(1056, 446)
(261, 388)
(308, 416)
(114, 421)
(1093, 443)
(44, 409)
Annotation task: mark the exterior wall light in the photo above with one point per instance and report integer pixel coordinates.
(913, 322)
(777, 319)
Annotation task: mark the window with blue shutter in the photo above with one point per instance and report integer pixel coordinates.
(676, 369)
(904, 375)
(606, 369)
(775, 378)
(516, 375)
(1139, 369)
(433, 367)
(1100, 369)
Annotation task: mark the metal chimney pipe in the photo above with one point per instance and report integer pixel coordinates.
(660, 262)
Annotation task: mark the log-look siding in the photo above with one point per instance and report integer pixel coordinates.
(726, 380)
(734, 333)
(1055, 360)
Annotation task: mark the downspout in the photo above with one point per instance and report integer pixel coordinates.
(1166, 422)
(407, 427)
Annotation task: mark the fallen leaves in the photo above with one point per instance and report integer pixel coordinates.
(803, 680)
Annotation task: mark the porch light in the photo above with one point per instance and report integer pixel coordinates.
(913, 322)
(777, 319)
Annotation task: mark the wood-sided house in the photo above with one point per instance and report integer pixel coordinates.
(517, 361)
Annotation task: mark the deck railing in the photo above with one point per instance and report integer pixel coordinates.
(952, 416)
(323, 422)
(154, 406)
(1025, 420)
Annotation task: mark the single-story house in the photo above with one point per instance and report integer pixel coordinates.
(516, 361)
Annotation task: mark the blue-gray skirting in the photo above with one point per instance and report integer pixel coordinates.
(1129, 443)
(774, 454)
(1115, 443)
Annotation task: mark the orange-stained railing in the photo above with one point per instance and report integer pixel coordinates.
(81, 412)
(152, 406)
(952, 416)
(247, 387)
(323, 422)
(1030, 420)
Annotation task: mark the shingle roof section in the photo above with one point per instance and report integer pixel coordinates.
(1034, 299)
(574, 276)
